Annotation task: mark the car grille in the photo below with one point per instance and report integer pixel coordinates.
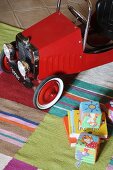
(28, 53)
(23, 51)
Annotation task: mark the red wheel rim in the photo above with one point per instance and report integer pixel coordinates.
(48, 92)
(6, 64)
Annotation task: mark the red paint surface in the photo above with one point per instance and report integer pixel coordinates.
(59, 43)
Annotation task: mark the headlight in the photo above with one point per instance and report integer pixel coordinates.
(8, 50)
(23, 67)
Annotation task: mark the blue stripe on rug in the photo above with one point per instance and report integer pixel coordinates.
(19, 117)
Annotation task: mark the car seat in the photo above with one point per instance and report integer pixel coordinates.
(100, 31)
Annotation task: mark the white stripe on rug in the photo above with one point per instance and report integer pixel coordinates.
(4, 160)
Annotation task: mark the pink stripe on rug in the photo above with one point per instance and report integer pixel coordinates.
(17, 120)
(14, 142)
(14, 135)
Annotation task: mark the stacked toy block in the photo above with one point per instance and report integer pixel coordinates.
(86, 128)
(90, 115)
(110, 165)
(87, 147)
(109, 110)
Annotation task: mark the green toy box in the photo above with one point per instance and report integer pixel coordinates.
(87, 147)
(90, 114)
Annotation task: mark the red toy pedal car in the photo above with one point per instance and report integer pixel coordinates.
(56, 46)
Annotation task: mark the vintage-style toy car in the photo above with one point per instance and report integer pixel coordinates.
(56, 46)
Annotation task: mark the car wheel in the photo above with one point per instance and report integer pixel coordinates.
(48, 92)
(4, 63)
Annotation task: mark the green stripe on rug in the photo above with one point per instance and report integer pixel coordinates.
(58, 111)
(92, 87)
(48, 148)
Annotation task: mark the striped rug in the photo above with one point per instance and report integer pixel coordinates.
(15, 129)
(80, 91)
(17, 123)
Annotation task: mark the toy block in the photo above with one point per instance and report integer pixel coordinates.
(87, 147)
(90, 114)
(109, 110)
(110, 165)
(74, 126)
